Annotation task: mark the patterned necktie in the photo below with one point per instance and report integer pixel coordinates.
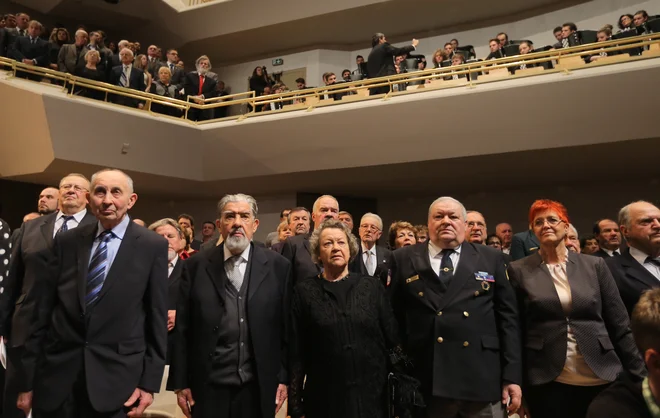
(446, 267)
(564, 43)
(64, 226)
(123, 81)
(233, 272)
(98, 268)
(172, 68)
(371, 266)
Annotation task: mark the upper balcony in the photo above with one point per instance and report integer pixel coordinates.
(533, 119)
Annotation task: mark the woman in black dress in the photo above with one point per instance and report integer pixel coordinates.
(342, 330)
(58, 37)
(90, 71)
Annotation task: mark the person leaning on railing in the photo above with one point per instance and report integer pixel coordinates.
(199, 85)
(603, 35)
(164, 87)
(91, 72)
(31, 50)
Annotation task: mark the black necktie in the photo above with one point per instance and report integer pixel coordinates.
(615, 253)
(654, 261)
(64, 226)
(446, 267)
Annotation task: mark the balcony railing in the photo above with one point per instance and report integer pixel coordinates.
(566, 60)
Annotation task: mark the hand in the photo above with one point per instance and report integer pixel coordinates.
(185, 400)
(171, 318)
(145, 398)
(198, 100)
(24, 402)
(140, 105)
(514, 393)
(280, 397)
(28, 62)
(415, 42)
(523, 412)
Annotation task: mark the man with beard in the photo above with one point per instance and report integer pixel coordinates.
(476, 227)
(296, 249)
(229, 356)
(48, 201)
(609, 238)
(199, 86)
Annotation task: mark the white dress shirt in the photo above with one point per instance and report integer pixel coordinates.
(436, 258)
(113, 245)
(72, 223)
(242, 261)
(171, 264)
(641, 257)
(369, 253)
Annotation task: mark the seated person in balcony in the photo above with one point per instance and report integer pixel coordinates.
(503, 38)
(330, 79)
(567, 30)
(495, 50)
(626, 23)
(91, 71)
(71, 57)
(276, 89)
(603, 35)
(301, 84)
(457, 59)
(454, 44)
(438, 56)
(640, 18)
(259, 81)
(449, 49)
(198, 86)
(164, 87)
(524, 49)
(127, 76)
(346, 75)
(381, 62)
(31, 50)
(557, 34)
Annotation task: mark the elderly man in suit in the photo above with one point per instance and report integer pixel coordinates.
(523, 244)
(127, 76)
(638, 268)
(458, 319)
(33, 244)
(381, 59)
(372, 260)
(609, 238)
(197, 86)
(296, 249)
(31, 50)
(72, 56)
(97, 348)
(230, 346)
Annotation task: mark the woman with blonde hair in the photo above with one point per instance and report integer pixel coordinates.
(142, 63)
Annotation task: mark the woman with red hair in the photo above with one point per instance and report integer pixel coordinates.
(575, 327)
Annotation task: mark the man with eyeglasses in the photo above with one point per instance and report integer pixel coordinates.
(372, 260)
(17, 298)
(476, 227)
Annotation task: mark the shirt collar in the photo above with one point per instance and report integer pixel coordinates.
(174, 261)
(245, 255)
(638, 255)
(364, 249)
(434, 250)
(78, 216)
(118, 231)
(609, 252)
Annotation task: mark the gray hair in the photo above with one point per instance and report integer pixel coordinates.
(314, 247)
(82, 32)
(164, 222)
(240, 197)
(574, 229)
(315, 207)
(129, 180)
(122, 44)
(378, 219)
(92, 52)
(203, 57)
(449, 199)
(127, 51)
(624, 213)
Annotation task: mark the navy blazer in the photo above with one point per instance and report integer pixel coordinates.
(23, 48)
(523, 244)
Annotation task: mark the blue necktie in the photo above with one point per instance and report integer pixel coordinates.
(446, 267)
(97, 268)
(64, 226)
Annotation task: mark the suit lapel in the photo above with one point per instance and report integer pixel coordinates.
(464, 272)
(258, 270)
(572, 271)
(47, 229)
(542, 280)
(127, 249)
(636, 271)
(216, 270)
(84, 254)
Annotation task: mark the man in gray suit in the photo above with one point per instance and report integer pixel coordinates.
(29, 258)
(72, 56)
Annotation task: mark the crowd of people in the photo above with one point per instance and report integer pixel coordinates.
(442, 320)
(161, 72)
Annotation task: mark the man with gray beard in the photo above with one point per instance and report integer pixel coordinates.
(229, 354)
(199, 86)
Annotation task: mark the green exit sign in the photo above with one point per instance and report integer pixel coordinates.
(278, 61)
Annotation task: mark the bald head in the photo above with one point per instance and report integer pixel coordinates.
(505, 234)
(640, 224)
(48, 201)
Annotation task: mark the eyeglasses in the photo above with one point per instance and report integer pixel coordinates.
(75, 187)
(371, 228)
(473, 224)
(551, 220)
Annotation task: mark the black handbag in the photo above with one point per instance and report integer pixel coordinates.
(404, 399)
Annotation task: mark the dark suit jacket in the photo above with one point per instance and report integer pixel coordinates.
(69, 60)
(30, 256)
(278, 247)
(598, 319)
(602, 254)
(120, 341)
(383, 264)
(178, 75)
(296, 250)
(5, 38)
(623, 399)
(631, 278)
(381, 59)
(523, 244)
(136, 82)
(173, 290)
(24, 49)
(191, 86)
(463, 339)
(200, 309)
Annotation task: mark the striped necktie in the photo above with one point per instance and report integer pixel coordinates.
(64, 227)
(98, 268)
(564, 43)
(123, 81)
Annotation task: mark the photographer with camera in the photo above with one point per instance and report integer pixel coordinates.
(259, 80)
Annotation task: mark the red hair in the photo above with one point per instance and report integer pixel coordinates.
(543, 205)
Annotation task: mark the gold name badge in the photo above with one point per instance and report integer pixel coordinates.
(412, 279)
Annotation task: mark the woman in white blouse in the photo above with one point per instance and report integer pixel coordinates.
(575, 327)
